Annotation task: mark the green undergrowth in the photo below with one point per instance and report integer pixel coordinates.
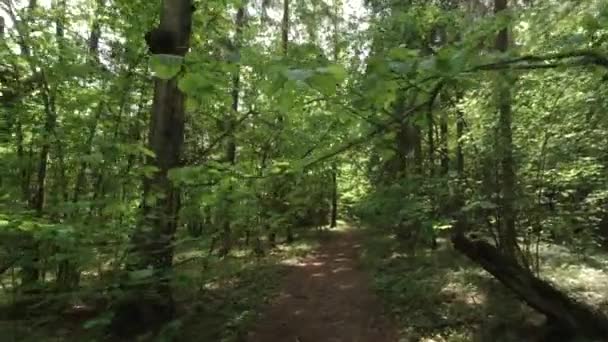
(222, 300)
(217, 299)
(439, 295)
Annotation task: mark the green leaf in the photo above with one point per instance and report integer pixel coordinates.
(166, 66)
(101, 321)
(324, 83)
(149, 170)
(141, 274)
(336, 70)
(146, 151)
(298, 74)
(194, 83)
(387, 154)
(402, 53)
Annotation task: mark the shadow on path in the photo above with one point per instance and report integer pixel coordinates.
(326, 298)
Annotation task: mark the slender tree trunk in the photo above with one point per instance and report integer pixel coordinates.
(459, 150)
(507, 233)
(337, 4)
(431, 141)
(334, 196)
(229, 127)
(68, 275)
(285, 27)
(82, 169)
(24, 167)
(443, 133)
(31, 273)
(416, 136)
(151, 304)
(93, 55)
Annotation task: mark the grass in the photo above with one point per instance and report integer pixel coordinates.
(439, 295)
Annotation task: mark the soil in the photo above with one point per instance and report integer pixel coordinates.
(326, 298)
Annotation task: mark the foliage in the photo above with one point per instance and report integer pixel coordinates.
(406, 113)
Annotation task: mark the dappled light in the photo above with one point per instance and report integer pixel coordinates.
(304, 170)
(330, 296)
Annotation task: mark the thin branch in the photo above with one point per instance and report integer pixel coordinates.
(227, 132)
(371, 134)
(315, 146)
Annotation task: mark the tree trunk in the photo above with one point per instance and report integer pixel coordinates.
(24, 163)
(229, 128)
(459, 151)
(443, 133)
(562, 311)
(31, 275)
(417, 137)
(334, 196)
(285, 27)
(506, 233)
(68, 274)
(431, 139)
(149, 303)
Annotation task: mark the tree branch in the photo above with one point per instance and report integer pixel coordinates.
(549, 61)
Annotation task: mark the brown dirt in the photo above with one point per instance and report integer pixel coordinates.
(326, 298)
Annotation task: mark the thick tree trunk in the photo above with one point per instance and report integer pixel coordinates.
(561, 311)
(149, 304)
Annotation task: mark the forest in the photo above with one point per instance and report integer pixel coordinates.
(304, 170)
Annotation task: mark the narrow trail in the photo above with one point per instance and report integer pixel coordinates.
(326, 298)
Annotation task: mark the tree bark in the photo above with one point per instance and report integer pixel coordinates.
(561, 311)
(431, 142)
(459, 150)
(68, 273)
(229, 127)
(149, 304)
(334, 196)
(285, 27)
(507, 234)
(443, 133)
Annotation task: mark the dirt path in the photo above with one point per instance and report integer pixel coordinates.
(326, 298)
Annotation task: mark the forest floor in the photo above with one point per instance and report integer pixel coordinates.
(327, 297)
(440, 296)
(345, 284)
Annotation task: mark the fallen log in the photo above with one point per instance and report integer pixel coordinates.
(562, 311)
